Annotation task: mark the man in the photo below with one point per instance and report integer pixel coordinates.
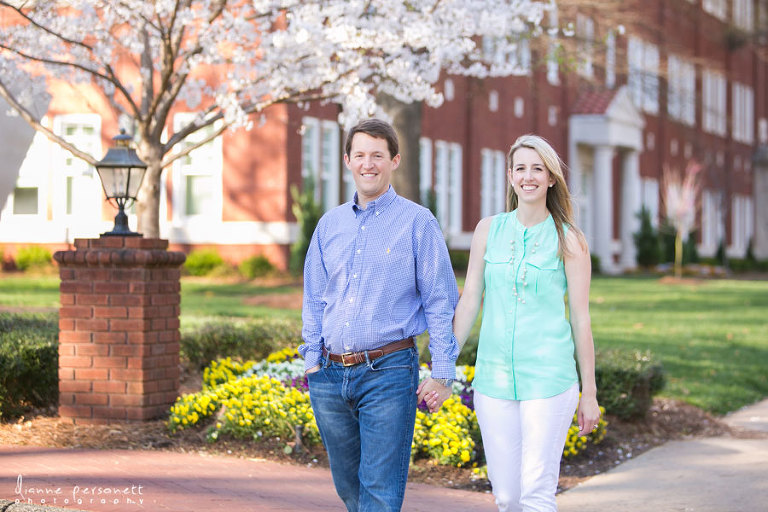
(377, 274)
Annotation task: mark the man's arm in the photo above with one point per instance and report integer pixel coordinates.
(439, 295)
(315, 280)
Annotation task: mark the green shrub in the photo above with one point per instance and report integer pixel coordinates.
(595, 260)
(201, 262)
(252, 340)
(647, 241)
(33, 257)
(627, 382)
(459, 260)
(307, 212)
(256, 266)
(29, 362)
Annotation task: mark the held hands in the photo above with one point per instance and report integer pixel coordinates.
(433, 394)
(588, 414)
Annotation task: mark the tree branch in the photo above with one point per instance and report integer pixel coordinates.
(34, 123)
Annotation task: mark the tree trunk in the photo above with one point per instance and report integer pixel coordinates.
(679, 254)
(148, 202)
(406, 118)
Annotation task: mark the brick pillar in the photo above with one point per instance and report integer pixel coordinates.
(118, 329)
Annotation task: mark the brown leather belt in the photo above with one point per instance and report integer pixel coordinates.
(352, 358)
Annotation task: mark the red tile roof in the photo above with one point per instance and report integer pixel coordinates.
(594, 102)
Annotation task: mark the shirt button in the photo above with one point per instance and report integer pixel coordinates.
(351, 299)
(362, 227)
(358, 251)
(377, 214)
(354, 275)
(347, 324)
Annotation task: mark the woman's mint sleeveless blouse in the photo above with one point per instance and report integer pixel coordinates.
(526, 346)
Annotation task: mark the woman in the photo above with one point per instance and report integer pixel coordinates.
(526, 384)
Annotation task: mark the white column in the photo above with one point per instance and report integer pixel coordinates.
(759, 198)
(630, 208)
(574, 179)
(603, 208)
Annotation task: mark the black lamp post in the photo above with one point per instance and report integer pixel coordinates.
(121, 172)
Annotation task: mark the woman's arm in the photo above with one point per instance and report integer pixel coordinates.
(474, 285)
(578, 273)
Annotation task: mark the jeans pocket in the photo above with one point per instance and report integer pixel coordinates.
(400, 360)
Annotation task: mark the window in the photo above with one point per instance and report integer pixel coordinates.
(320, 160)
(585, 35)
(553, 51)
(650, 198)
(610, 60)
(25, 201)
(448, 162)
(198, 173)
(501, 54)
(743, 14)
(493, 186)
(762, 130)
(643, 76)
(743, 113)
(711, 226)
(716, 8)
(493, 101)
(425, 170)
(681, 92)
(741, 224)
(81, 187)
(713, 102)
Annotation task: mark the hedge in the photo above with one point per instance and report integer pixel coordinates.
(29, 362)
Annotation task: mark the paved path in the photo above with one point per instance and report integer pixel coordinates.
(131, 481)
(717, 474)
(720, 474)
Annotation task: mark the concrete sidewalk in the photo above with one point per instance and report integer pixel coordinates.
(719, 474)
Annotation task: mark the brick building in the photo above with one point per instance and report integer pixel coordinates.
(632, 92)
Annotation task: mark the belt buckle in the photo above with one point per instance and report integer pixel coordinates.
(344, 360)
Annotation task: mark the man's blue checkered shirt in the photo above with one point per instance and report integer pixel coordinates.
(379, 275)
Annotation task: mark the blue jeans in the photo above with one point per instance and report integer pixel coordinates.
(365, 414)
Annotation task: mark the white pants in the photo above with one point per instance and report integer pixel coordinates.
(523, 442)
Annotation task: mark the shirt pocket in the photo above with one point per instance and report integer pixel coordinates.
(542, 271)
(498, 264)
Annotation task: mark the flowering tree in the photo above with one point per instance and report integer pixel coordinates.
(231, 59)
(681, 200)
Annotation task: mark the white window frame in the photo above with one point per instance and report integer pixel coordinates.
(681, 90)
(643, 79)
(320, 160)
(585, 34)
(743, 112)
(211, 167)
(743, 14)
(553, 63)
(741, 225)
(425, 169)
(448, 180)
(493, 182)
(716, 8)
(519, 58)
(713, 102)
(85, 217)
(610, 60)
(711, 222)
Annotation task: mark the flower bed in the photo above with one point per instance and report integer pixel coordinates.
(269, 398)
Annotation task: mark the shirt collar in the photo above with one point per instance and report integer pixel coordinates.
(379, 204)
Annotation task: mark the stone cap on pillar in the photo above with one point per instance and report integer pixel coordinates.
(121, 251)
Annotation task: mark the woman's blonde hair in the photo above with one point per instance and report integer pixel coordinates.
(558, 196)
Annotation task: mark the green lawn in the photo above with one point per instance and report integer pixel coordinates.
(711, 337)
